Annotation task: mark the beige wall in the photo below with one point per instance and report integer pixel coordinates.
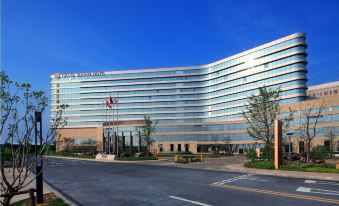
(96, 132)
(75, 133)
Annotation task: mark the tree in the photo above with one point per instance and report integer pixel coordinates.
(330, 136)
(261, 112)
(148, 129)
(321, 153)
(228, 147)
(308, 129)
(64, 143)
(17, 124)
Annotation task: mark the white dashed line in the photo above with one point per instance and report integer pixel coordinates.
(190, 201)
(321, 182)
(317, 191)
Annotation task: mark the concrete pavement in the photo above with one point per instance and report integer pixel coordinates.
(30, 185)
(236, 164)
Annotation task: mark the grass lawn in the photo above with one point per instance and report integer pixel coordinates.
(294, 166)
(314, 169)
(50, 199)
(203, 154)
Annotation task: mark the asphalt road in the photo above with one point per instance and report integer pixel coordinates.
(98, 183)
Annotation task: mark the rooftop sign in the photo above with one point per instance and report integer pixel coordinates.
(86, 74)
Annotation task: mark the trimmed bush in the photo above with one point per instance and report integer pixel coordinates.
(70, 154)
(298, 165)
(321, 153)
(163, 154)
(260, 164)
(135, 158)
(6, 154)
(181, 161)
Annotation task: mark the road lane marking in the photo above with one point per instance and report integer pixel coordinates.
(190, 201)
(310, 181)
(321, 182)
(234, 179)
(255, 179)
(283, 194)
(317, 191)
(303, 189)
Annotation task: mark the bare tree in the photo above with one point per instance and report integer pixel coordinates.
(329, 134)
(17, 124)
(227, 145)
(308, 129)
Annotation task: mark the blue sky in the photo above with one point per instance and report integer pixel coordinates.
(43, 37)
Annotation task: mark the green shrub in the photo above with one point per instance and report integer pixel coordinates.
(135, 158)
(263, 164)
(6, 154)
(251, 155)
(163, 154)
(69, 154)
(267, 154)
(181, 161)
(321, 153)
(298, 165)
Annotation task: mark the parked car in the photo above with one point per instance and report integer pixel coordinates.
(336, 154)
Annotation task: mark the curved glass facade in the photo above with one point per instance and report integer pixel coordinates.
(190, 99)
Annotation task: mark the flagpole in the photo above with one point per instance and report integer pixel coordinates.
(108, 126)
(103, 125)
(109, 138)
(117, 103)
(104, 141)
(112, 125)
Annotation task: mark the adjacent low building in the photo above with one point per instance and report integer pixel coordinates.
(196, 107)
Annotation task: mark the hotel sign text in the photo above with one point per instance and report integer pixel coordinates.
(79, 74)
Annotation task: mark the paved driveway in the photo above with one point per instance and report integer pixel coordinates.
(99, 183)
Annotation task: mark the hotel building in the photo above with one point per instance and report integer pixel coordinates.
(195, 106)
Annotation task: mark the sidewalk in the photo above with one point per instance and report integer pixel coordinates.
(46, 189)
(284, 173)
(235, 164)
(30, 185)
(25, 196)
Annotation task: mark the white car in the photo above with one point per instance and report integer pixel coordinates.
(336, 154)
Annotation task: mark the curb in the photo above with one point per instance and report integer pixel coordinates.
(76, 158)
(107, 161)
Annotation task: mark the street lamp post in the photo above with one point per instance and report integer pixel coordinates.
(289, 145)
(38, 167)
